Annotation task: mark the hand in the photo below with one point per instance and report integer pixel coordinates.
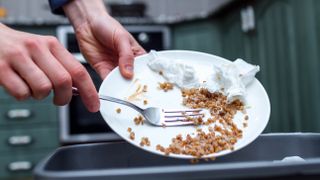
(33, 65)
(102, 40)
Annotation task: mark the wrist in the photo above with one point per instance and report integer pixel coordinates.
(83, 11)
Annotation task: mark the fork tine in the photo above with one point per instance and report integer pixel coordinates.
(170, 115)
(179, 123)
(177, 119)
(180, 110)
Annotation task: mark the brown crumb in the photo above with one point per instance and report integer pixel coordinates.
(145, 88)
(144, 141)
(145, 102)
(132, 135)
(246, 117)
(166, 86)
(129, 129)
(138, 120)
(118, 110)
(161, 73)
(160, 148)
(245, 124)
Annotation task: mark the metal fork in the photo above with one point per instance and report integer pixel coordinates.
(158, 116)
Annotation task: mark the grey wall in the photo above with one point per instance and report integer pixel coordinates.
(37, 11)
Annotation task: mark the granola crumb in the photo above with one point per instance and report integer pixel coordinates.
(145, 102)
(132, 135)
(166, 86)
(245, 124)
(160, 148)
(129, 129)
(118, 110)
(246, 117)
(144, 141)
(139, 120)
(145, 88)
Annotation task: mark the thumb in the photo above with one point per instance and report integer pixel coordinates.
(126, 57)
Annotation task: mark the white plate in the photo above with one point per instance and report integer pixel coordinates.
(115, 85)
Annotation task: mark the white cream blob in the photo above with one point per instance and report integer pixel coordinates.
(181, 74)
(229, 79)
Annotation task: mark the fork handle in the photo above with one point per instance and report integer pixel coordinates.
(75, 92)
(116, 100)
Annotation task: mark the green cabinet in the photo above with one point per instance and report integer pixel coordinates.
(271, 45)
(285, 43)
(28, 132)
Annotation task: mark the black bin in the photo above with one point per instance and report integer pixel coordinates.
(276, 156)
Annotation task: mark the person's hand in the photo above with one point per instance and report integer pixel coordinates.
(32, 65)
(102, 40)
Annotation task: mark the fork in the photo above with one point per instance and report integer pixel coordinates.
(158, 116)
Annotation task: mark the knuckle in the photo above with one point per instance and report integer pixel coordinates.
(42, 91)
(63, 80)
(21, 95)
(52, 41)
(79, 72)
(33, 43)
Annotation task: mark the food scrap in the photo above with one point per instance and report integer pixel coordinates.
(132, 135)
(145, 141)
(141, 89)
(138, 120)
(145, 102)
(166, 86)
(219, 137)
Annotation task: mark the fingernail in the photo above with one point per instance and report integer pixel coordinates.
(129, 68)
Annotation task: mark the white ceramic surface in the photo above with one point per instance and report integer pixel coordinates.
(115, 85)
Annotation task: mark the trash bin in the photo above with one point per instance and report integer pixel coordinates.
(282, 156)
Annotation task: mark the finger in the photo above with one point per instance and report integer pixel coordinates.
(58, 75)
(80, 77)
(36, 79)
(126, 57)
(137, 49)
(12, 83)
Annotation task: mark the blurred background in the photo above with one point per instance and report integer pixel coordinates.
(282, 36)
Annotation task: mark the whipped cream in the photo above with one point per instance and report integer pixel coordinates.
(230, 79)
(181, 74)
